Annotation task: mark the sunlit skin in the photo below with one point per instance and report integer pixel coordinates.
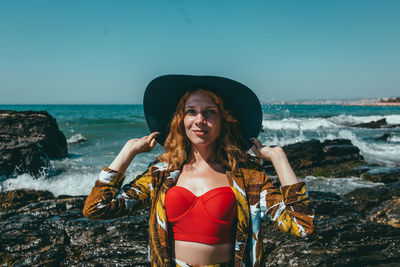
(202, 122)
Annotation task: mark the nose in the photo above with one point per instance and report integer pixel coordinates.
(200, 118)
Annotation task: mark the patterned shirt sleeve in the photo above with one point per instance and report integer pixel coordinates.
(288, 208)
(108, 200)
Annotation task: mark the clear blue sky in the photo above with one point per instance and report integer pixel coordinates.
(97, 52)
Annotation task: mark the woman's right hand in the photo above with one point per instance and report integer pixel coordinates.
(131, 149)
(144, 144)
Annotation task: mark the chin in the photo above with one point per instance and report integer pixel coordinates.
(201, 143)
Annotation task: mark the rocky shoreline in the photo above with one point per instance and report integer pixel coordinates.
(360, 228)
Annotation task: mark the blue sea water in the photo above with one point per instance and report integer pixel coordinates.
(96, 133)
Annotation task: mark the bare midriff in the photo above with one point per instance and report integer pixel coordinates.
(201, 254)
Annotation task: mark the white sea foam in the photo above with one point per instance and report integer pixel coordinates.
(373, 152)
(288, 139)
(350, 119)
(336, 185)
(394, 139)
(347, 120)
(61, 185)
(75, 139)
(335, 122)
(73, 184)
(299, 123)
(393, 119)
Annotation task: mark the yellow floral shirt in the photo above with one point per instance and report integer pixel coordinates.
(257, 199)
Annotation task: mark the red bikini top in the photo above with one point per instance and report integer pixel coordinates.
(205, 219)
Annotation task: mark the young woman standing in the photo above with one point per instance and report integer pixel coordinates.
(206, 194)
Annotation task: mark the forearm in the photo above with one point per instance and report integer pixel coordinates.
(107, 200)
(288, 207)
(131, 149)
(101, 202)
(297, 217)
(282, 167)
(123, 160)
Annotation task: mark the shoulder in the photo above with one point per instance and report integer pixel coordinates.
(159, 168)
(252, 170)
(251, 165)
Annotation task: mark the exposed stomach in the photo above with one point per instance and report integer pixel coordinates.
(201, 254)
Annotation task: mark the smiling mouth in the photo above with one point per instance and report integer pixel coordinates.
(200, 132)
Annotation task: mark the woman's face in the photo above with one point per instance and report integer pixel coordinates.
(202, 120)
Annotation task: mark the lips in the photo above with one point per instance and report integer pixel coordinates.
(200, 132)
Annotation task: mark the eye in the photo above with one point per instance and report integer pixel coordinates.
(190, 111)
(211, 112)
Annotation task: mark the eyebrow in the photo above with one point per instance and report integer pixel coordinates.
(192, 106)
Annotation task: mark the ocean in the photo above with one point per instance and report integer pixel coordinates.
(96, 133)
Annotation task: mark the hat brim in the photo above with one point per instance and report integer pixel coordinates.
(163, 94)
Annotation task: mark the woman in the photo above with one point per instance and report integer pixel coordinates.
(207, 196)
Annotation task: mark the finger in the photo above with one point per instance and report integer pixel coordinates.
(254, 140)
(153, 135)
(257, 143)
(153, 143)
(255, 150)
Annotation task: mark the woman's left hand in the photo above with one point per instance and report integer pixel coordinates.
(279, 160)
(264, 151)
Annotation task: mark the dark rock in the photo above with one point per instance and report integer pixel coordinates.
(344, 236)
(372, 124)
(37, 229)
(331, 158)
(351, 230)
(27, 157)
(27, 140)
(363, 200)
(384, 137)
(388, 213)
(342, 241)
(12, 200)
(328, 204)
(382, 174)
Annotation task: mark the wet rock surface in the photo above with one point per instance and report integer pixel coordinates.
(382, 174)
(331, 158)
(356, 229)
(53, 232)
(346, 233)
(334, 158)
(372, 124)
(27, 140)
(387, 213)
(384, 137)
(382, 123)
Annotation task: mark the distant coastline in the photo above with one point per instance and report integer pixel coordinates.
(394, 101)
(373, 104)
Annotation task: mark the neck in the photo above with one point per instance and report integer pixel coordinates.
(202, 155)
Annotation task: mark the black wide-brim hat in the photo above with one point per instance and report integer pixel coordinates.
(163, 94)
